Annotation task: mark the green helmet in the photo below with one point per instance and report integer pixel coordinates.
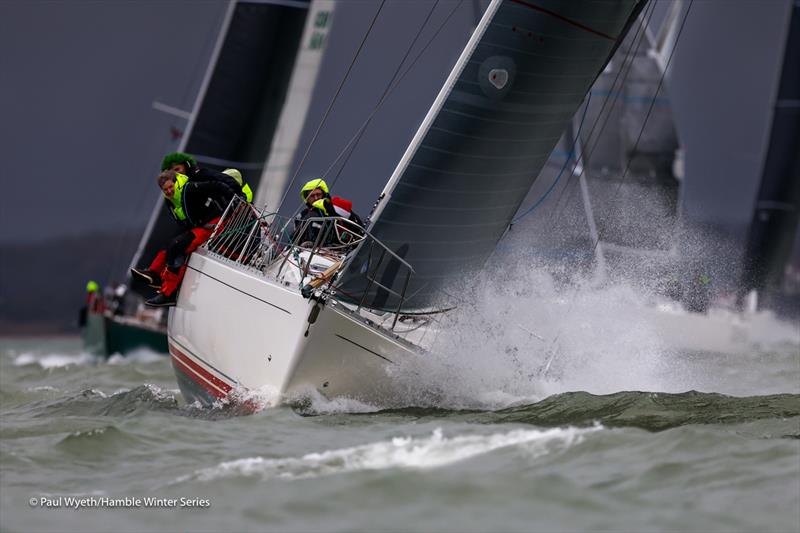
(177, 158)
(92, 286)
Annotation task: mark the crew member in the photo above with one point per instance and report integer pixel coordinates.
(186, 165)
(94, 300)
(94, 303)
(197, 206)
(319, 203)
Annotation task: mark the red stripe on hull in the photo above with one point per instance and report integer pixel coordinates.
(186, 371)
(187, 361)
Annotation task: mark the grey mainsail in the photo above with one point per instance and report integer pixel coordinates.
(501, 112)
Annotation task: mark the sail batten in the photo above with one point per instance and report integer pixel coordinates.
(519, 81)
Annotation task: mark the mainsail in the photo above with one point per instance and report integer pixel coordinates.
(501, 112)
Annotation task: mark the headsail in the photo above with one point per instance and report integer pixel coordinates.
(501, 112)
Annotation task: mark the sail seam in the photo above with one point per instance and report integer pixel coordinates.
(494, 139)
(516, 123)
(459, 191)
(484, 174)
(544, 56)
(563, 19)
(478, 156)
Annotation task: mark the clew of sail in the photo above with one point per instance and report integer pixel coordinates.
(519, 81)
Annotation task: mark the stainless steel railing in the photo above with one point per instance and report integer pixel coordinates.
(260, 240)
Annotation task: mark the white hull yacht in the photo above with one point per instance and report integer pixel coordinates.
(259, 312)
(268, 321)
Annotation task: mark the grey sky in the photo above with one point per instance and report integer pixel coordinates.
(80, 141)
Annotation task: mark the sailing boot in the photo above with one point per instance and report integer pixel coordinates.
(151, 277)
(162, 300)
(168, 294)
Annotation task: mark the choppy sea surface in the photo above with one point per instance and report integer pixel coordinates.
(708, 442)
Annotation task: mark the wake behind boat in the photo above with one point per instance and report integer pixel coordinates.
(260, 309)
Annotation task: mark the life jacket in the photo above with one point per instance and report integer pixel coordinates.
(339, 207)
(177, 196)
(334, 207)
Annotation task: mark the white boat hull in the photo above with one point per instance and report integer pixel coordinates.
(234, 330)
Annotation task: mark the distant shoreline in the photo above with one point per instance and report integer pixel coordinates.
(10, 330)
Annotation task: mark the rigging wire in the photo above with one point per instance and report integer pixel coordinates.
(649, 111)
(570, 155)
(629, 54)
(389, 88)
(552, 354)
(332, 102)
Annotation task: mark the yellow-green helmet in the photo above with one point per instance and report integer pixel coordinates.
(317, 183)
(235, 174)
(92, 286)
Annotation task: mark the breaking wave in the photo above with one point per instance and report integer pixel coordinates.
(92, 402)
(522, 336)
(420, 453)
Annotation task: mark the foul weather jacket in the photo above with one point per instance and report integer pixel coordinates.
(206, 174)
(197, 202)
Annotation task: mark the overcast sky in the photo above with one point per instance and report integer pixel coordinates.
(81, 143)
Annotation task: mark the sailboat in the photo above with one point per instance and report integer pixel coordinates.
(261, 309)
(641, 238)
(266, 58)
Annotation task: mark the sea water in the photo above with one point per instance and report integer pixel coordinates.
(625, 430)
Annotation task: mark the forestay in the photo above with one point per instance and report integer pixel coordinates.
(507, 101)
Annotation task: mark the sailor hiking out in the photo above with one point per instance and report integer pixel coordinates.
(196, 204)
